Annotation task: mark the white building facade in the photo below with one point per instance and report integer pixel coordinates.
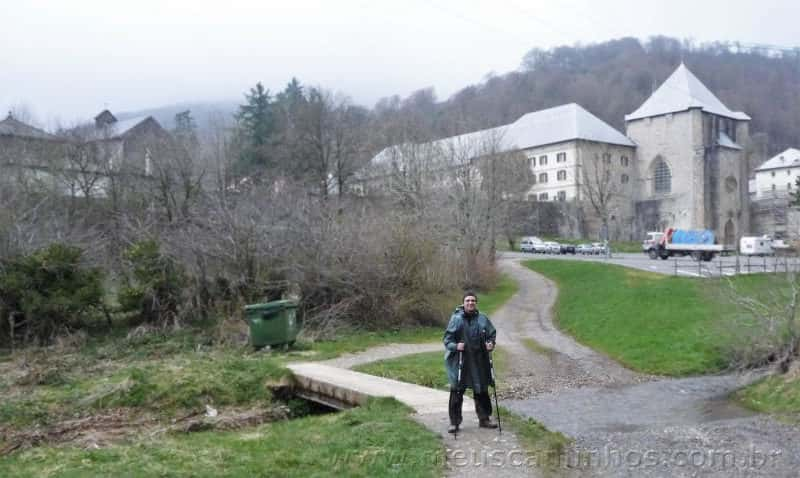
(777, 177)
(683, 162)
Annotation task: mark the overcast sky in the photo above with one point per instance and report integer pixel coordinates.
(67, 60)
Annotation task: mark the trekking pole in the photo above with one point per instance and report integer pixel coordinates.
(494, 382)
(460, 366)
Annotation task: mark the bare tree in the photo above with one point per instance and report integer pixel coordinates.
(765, 328)
(600, 188)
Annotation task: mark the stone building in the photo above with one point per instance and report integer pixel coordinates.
(691, 160)
(683, 163)
(82, 161)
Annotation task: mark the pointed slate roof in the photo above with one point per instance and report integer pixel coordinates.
(116, 129)
(562, 123)
(539, 128)
(680, 92)
(12, 127)
(787, 159)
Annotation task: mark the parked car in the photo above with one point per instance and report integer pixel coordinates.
(568, 248)
(599, 248)
(553, 247)
(540, 247)
(584, 249)
(527, 244)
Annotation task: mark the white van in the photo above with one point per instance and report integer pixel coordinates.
(756, 246)
(528, 244)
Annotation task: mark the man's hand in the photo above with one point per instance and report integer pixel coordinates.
(460, 346)
(489, 346)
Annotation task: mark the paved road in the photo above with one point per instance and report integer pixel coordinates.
(682, 266)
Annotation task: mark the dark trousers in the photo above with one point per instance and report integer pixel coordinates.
(483, 405)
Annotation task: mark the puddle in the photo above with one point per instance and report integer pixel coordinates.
(721, 408)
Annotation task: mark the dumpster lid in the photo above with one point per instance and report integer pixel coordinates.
(274, 305)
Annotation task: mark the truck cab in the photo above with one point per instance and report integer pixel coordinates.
(650, 244)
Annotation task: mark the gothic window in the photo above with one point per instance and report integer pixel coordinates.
(562, 195)
(623, 161)
(543, 177)
(562, 175)
(543, 160)
(662, 177)
(543, 197)
(731, 184)
(532, 162)
(561, 157)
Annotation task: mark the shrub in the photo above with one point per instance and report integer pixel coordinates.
(46, 292)
(153, 285)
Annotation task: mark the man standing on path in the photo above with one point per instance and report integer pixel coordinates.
(471, 334)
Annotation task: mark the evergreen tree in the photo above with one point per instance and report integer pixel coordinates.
(256, 127)
(185, 131)
(794, 195)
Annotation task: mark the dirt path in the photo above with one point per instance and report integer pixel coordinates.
(629, 424)
(623, 423)
(564, 363)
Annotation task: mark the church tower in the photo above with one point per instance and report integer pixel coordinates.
(691, 160)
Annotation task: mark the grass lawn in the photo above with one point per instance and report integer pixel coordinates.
(778, 394)
(162, 377)
(649, 322)
(372, 441)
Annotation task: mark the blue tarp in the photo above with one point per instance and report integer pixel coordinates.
(686, 236)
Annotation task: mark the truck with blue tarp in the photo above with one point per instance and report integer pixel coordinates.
(700, 244)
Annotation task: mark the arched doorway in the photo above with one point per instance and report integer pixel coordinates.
(730, 233)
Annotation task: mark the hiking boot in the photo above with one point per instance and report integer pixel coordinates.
(487, 423)
(452, 428)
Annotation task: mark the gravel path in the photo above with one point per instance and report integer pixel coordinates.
(565, 363)
(622, 423)
(628, 424)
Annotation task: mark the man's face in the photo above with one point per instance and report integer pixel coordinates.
(470, 303)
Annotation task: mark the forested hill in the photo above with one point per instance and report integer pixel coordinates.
(612, 79)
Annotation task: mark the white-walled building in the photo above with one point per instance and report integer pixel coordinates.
(682, 162)
(777, 176)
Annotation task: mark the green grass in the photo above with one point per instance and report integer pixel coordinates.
(489, 302)
(376, 440)
(539, 442)
(426, 369)
(626, 246)
(360, 340)
(649, 322)
(779, 394)
(535, 346)
(166, 386)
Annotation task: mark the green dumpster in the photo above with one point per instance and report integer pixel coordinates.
(273, 323)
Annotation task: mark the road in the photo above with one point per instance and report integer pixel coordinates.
(681, 266)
